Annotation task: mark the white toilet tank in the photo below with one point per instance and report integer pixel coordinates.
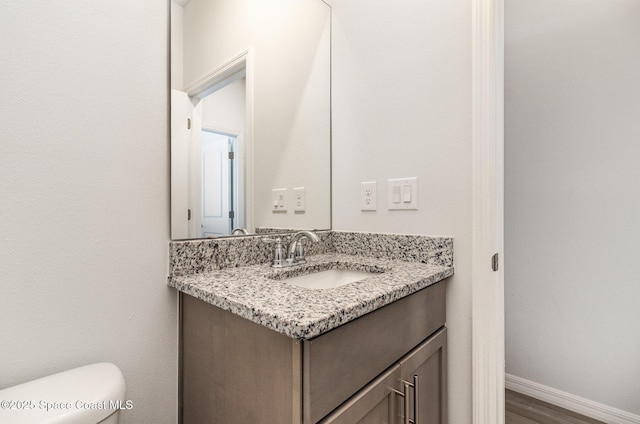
(87, 395)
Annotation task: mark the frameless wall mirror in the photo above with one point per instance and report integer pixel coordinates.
(250, 116)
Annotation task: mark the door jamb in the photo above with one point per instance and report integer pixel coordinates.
(488, 211)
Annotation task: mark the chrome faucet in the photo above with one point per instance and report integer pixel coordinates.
(294, 252)
(239, 230)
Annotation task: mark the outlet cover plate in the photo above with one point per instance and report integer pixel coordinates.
(299, 199)
(368, 196)
(279, 201)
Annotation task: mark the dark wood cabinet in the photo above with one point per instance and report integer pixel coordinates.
(234, 371)
(416, 385)
(429, 363)
(376, 403)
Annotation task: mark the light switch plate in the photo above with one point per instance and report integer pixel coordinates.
(402, 194)
(299, 199)
(279, 199)
(368, 196)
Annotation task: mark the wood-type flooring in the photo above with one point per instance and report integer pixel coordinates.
(521, 409)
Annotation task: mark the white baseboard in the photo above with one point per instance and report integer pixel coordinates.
(571, 402)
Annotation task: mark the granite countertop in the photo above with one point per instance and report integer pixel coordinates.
(257, 292)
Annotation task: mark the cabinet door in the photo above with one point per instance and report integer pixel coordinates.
(234, 371)
(376, 403)
(428, 362)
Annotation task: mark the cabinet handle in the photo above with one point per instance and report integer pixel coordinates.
(416, 399)
(407, 401)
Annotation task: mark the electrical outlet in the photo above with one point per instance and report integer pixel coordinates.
(299, 199)
(368, 198)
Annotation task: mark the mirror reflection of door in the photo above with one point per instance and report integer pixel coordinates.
(218, 185)
(220, 199)
(209, 200)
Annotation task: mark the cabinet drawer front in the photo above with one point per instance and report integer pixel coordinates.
(338, 363)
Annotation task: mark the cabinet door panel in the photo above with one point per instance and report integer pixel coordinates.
(235, 371)
(374, 404)
(429, 362)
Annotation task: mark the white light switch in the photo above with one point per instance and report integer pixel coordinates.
(403, 194)
(395, 194)
(406, 194)
(299, 199)
(279, 199)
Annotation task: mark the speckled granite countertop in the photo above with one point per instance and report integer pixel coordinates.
(257, 292)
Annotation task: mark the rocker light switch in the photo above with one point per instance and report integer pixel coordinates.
(406, 194)
(396, 194)
(402, 194)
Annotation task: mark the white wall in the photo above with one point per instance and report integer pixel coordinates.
(290, 41)
(402, 108)
(84, 216)
(177, 36)
(224, 110)
(572, 197)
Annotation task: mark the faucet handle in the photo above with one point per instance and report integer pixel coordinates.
(279, 256)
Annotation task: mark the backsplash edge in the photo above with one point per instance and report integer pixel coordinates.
(207, 255)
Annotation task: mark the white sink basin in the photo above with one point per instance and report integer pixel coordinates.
(328, 279)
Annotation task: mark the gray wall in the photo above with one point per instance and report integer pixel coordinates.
(572, 109)
(84, 215)
(402, 108)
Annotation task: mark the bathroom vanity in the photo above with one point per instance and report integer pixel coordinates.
(257, 349)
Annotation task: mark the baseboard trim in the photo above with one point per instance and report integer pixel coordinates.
(571, 402)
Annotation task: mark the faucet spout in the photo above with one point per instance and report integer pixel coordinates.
(239, 230)
(295, 252)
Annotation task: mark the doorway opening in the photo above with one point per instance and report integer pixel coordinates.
(219, 184)
(217, 189)
(211, 154)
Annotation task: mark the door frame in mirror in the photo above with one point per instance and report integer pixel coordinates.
(238, 67)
